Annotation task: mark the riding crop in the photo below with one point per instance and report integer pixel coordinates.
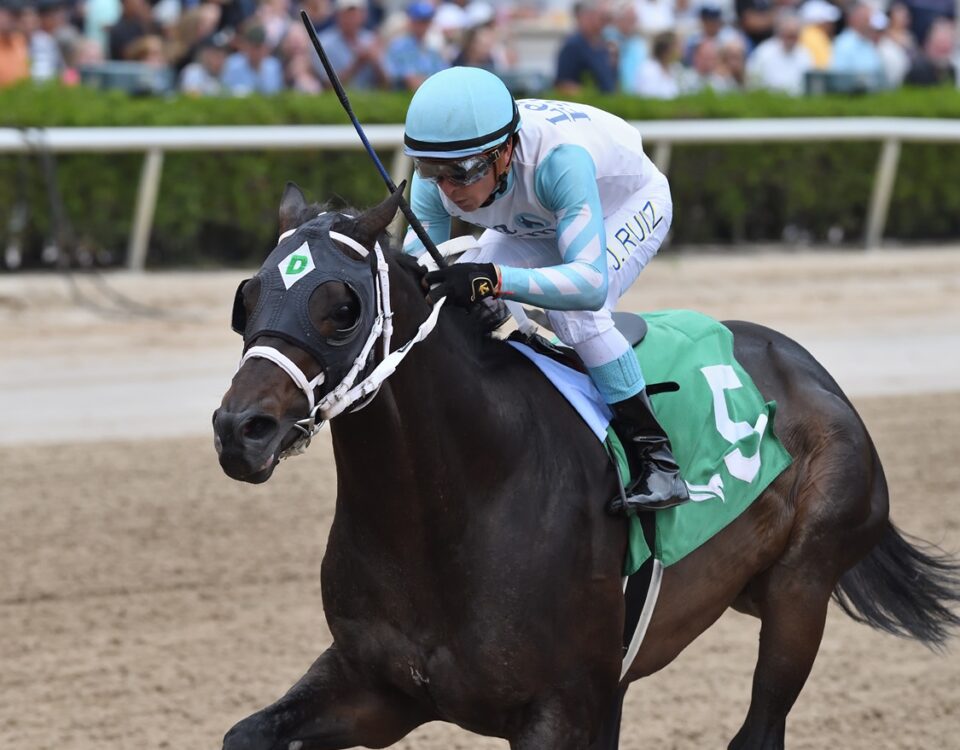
(342, 96)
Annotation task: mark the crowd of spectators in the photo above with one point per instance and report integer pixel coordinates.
(651, 48)
(665, 48)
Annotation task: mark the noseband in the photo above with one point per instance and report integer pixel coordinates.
(347, 395)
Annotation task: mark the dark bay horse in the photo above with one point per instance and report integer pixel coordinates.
(471, 574)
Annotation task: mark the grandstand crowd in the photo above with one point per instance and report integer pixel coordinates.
(651, 48)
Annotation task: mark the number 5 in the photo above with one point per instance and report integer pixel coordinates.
(722, 378)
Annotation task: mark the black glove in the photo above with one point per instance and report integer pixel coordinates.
(464, 284)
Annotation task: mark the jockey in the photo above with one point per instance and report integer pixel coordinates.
(573, 211)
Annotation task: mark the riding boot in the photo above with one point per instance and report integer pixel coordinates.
(656, 483)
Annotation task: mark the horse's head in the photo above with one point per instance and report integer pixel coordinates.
(309, 318)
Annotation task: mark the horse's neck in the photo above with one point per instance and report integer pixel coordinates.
(451, 453)
(423, 430)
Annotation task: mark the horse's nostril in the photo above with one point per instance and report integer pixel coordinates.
(258, 428)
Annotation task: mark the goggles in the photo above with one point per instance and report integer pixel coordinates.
(461, 172)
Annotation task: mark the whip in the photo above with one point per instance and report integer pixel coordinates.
(342, 96)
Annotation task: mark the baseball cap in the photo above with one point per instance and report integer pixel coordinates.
(819, 11)
(420, 11)
(451, 17)
(878, 20)
(348, 4)
(710, 12)
(255, 34)
(479, 13)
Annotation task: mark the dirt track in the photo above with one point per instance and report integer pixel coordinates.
(147, 601)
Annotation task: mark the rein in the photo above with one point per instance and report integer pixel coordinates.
(345, 395)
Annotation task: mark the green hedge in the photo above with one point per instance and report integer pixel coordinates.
(221, 208)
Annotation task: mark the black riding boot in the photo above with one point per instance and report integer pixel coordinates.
(656, 477)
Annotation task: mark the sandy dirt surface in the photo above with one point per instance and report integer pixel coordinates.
(147, 601)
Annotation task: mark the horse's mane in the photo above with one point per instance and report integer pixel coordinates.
(312, 210)
(471, 326)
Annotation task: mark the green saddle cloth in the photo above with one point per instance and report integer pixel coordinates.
(720, 428)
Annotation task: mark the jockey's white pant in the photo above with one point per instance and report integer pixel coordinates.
(634, 234)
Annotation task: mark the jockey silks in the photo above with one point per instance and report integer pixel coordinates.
(584, 209)
(614, 146)
(572, 166)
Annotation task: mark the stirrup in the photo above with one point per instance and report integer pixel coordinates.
(675, 495)
(636, 503)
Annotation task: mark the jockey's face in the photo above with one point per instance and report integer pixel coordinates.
(471, 197)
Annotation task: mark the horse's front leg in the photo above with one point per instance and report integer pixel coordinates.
(560, 722)
(331, 706)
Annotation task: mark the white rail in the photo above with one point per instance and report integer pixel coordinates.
(154, 142)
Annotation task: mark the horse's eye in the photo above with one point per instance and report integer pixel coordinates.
(335, 311)
(345, 317)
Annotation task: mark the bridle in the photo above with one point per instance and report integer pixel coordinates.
(348, 394)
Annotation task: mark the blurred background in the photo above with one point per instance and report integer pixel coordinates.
(773, 118)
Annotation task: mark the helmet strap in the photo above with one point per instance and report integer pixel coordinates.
(500, 178)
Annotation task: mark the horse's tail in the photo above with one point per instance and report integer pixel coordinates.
(908, 588)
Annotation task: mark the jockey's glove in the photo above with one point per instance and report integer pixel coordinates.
(464, 284)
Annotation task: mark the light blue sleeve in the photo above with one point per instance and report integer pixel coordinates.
(232, 75)
(426, 205)
(395, 59)
(272, 76)
(844, 54)
(566, 183)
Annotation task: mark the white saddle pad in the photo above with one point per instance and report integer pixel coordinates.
(576, 387)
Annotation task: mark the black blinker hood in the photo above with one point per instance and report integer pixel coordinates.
(289, 276)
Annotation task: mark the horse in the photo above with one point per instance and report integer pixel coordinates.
(472, 574)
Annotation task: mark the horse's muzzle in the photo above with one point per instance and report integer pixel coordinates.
(247, 443)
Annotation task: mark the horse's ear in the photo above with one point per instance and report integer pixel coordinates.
(369, 225)
(291, 207)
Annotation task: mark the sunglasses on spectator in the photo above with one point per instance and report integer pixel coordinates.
(460, 172)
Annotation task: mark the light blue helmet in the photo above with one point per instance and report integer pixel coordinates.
(459, 112)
